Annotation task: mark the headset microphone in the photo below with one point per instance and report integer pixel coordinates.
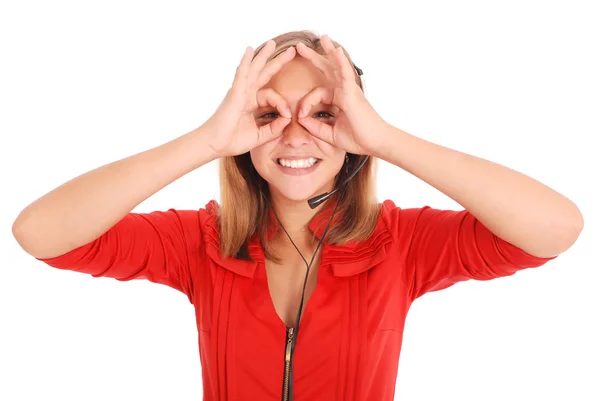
(317, 200)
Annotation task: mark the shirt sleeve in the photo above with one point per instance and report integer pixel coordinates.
(156, 246)
(443, 247)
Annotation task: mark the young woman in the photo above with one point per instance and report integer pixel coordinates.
(291, 301)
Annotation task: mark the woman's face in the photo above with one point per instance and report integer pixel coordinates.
(297, 179)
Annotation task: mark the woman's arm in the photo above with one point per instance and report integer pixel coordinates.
(82, 209)
(515, 207)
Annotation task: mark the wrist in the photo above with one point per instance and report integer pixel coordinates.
(383, 145)
(200, 140)
(203, 136)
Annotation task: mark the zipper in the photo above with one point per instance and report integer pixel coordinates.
(287, 364)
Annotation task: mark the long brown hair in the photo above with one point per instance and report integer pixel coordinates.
(243, 212)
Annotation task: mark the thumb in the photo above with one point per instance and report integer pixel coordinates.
(318, 129)
(273, 130)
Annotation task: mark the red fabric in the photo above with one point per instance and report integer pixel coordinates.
(350, 334)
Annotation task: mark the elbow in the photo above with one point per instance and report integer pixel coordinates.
(562, 237)
(27, 237)
(20, 233)
(574, 228)
(17, 228)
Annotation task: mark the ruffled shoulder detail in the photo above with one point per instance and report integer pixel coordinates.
(210, 232)
(359, 256)
(345, 260)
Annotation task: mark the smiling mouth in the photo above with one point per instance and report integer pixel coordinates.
(298, 163)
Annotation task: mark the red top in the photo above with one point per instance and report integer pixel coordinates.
(350, 335)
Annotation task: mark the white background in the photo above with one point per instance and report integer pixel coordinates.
(83, 84)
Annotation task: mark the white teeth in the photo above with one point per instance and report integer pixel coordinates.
(303, 163)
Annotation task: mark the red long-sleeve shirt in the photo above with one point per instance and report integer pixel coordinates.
(350, 335)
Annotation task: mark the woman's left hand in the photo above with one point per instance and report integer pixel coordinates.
(358, 128)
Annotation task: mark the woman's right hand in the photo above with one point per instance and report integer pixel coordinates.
(233, 127)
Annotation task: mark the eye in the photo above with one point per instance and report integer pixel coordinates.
(319, 114)
(324, 114)
(271, 114)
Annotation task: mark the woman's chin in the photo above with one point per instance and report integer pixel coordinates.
(298, 194)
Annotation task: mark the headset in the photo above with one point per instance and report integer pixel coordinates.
(317, 200)
(313, 203)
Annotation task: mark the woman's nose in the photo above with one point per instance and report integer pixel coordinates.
(295, 135)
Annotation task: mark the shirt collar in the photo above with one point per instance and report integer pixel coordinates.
(317, 225)
(345, 260)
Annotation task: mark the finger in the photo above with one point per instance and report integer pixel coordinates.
(274, 66)
(346, 69)
(261, 58)
(320, 62)
(314, 97)
(269, 97)
(318, 129)
(330, 50)
(327, 44)
(241, 72)
(272, 130)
